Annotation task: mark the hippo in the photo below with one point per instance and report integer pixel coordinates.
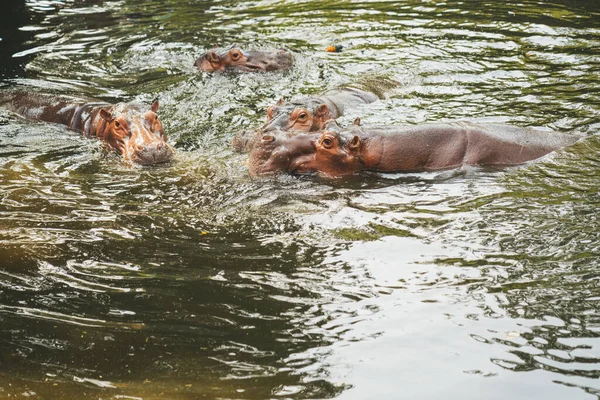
(134, 132)
(236, 59)
(306, 114)
(428, 147)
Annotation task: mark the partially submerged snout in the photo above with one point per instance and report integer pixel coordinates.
(247, 61)
(136, 134)
(153, 154)
(268, 155)
(280, 151)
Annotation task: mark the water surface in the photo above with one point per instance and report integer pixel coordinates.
(194, 280)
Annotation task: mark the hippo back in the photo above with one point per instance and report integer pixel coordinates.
(499, 144)
(60, 109)
(345, 98)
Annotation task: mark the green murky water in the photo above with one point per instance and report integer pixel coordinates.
(193, 280)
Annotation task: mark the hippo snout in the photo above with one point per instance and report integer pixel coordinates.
(154, 154)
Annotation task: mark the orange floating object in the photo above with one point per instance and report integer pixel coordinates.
(334, 48)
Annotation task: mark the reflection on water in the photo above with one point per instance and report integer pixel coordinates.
(192, 279)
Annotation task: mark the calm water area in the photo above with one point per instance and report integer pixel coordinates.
(194, 280)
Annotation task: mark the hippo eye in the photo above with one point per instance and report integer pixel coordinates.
(327, 142)
(268, 138)
(235, 55)
(302, 117)
(117, 124)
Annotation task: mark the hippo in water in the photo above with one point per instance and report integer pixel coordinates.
(428, 147)
(306, 114)
(236, 59)
(134, 132)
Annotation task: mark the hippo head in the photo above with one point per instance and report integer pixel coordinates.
(247, 61)
(297, 116)
(333, 156)
(136, 134)
(280, 151)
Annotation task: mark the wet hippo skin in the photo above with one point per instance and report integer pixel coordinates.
(402, 149)
(306, 114)
(134, 132)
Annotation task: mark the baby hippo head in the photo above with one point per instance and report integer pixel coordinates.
(136, 134)
(247, 61)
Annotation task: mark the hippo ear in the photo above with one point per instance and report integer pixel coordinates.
(213, 57)
(280, 101)
(356, 121)
(105, 115)
(154, 106)
(322, 110)
(354, 143)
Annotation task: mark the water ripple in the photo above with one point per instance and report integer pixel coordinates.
(194, 280)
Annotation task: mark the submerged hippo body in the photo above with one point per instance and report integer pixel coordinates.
(246, 61)
(136, 133)
(404, 149)
(306, 114)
